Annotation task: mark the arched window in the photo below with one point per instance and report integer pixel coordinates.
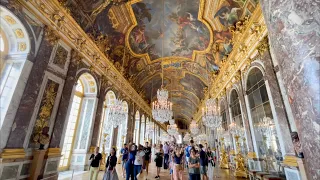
(259, 104)
(142, 129)
(77, 133)
(14, 49)
(136, 128)
(106, 130)
(122, 130)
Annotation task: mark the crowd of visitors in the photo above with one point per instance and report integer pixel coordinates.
(197, 159)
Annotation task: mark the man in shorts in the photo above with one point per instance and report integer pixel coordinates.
(147, 156)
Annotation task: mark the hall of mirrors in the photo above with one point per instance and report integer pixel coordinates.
(239, 76)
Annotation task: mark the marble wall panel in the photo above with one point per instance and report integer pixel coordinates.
(28, 100)
(10, 172)
(293, 28)
(25, 169)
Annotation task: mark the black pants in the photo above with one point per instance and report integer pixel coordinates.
(166, 161)
(194, 176)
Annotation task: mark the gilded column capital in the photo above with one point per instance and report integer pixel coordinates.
(50, 35)
(263, 46)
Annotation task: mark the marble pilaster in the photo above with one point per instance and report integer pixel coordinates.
(277, 106)
(63, 107)
(29, 97)
(294, 37)
(130, 125)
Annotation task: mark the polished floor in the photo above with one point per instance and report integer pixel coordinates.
(221, 174)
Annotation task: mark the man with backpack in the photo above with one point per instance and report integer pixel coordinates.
(187, 150)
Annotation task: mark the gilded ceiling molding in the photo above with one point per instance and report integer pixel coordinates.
(50, 36)
(249, 36)
(57, 18)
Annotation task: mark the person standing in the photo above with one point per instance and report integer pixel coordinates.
(203, 162)
(111, 173)
(159, 159)
(95, 164)
(194, 165)
(166, 152)
(211, 163)
(188, 150)
(124, 151)
(147, 156)
(130, 163)
(138, 162)
(178, 164)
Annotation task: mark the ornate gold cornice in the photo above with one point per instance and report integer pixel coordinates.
(52, 152)
(290, 161)
(247, 37)
(13, 154)
(52, 14)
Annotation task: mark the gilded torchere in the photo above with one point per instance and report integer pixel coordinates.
(240, 167)
(224, 156)
(103, 153)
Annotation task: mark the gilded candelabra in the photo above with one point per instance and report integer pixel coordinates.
(240, 167)
(224, 156)
(103, 153)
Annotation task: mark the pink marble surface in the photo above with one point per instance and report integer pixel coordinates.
(294, 32)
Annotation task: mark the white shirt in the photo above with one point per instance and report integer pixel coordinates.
(139, 158)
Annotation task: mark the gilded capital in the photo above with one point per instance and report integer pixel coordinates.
(50, 36)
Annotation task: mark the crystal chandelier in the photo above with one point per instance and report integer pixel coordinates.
(187, 137)
(235, 129)
(202, 137)
(150, 128)
(162, 108)
(117, 113)
(194, 129)
(171, 121)
(266, 126)
(173, 130)
(210, 114)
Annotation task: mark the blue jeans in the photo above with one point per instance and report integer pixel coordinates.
(129, 170)
(194, 176)
(137, 170)
(166, 161)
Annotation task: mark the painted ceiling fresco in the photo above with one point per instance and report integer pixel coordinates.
(192, 36)
(168, 28)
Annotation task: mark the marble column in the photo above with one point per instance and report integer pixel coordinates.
(294, 37)
(26, 107)
(277, 107)
(65, 101)
(130, 125)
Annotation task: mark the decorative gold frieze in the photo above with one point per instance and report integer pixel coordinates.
(290, 161)
(13, 154)
(22, 46)
(52, 152)
(263, 46)
(41, 128)
(113, 19)
(19, 33)
(9, 19)
(50, 36)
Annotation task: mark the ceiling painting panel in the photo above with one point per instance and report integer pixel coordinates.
(168, 28)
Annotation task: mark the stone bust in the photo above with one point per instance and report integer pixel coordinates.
(297, 144)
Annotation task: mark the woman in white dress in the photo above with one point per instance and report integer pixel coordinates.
(211, 164)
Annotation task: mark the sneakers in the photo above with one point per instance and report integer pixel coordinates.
(157, 177)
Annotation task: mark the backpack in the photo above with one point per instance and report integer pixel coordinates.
(188, 151)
